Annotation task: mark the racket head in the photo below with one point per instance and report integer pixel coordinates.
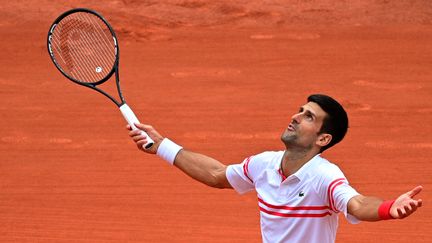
(83, 46)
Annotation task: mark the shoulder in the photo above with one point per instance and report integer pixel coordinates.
(267, 155)
(266, 158)
(259, 162)
(328, 173)
(328, 168)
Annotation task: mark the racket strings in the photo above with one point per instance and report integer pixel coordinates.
(71, 49)
(68, 51)
(84, 47)
(91, 44)
(82, 39)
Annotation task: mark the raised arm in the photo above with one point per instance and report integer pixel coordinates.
(373, 209)
(198, 166)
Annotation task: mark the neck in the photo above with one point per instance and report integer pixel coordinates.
(293, 160)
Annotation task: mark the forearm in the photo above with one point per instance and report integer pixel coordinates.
(374, 209)
(364, 208)
(202, 168)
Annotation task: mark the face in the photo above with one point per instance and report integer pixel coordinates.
(303, 131)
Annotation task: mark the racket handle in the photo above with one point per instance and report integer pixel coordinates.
(132, 119)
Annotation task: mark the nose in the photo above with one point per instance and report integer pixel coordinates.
(296, 118)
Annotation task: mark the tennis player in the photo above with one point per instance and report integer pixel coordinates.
(300, 193)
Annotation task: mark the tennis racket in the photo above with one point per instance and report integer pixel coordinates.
(84, 48)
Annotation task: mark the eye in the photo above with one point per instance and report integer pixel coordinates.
(309, 116)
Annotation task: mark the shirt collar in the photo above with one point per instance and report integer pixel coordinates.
(302, 172)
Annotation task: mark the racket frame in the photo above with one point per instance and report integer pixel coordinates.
(124, 108)
(115, 68)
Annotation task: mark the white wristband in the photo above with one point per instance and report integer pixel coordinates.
(168, 150)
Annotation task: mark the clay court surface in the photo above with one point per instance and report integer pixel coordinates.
(222, 78)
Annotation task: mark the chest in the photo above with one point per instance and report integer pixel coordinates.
(292, 191)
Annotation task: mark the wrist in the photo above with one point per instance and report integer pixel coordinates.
(384, 210)
(168, 150)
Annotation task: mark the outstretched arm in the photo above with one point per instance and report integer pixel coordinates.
(198, 166)
(373, 209)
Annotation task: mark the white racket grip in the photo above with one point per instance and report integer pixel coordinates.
(131, 120)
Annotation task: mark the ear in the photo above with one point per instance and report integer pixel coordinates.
(324, 139)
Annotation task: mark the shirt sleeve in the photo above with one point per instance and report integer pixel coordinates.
(239, 177)
(337, 192)
(340, 192)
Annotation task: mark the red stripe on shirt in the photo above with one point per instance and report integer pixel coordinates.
(332, 198)
(330, 191)
(293, 208)
(282, 174)
(246, 169)
(295, 215)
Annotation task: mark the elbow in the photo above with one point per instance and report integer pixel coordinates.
(221, 185)
(218, 179)
(216, 185)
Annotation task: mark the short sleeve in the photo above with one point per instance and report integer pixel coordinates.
(336, 191)
(340, 194)
(239, 177)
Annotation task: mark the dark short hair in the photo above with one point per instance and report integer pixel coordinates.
(336, 121)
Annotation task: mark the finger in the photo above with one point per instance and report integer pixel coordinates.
(140, 126)
(134, 133)
(401, 213)
(139, 137)
(415, 191)
(413, 207)
(144, 127)
(419, 203)
(128, 127)
(141, 143)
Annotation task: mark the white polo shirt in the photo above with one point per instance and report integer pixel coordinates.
(301, 208)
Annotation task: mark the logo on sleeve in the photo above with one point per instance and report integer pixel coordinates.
(301, 194)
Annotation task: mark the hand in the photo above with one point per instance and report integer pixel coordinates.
(141, 139)
(405, 204)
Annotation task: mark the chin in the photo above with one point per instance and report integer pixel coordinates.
(288, 139)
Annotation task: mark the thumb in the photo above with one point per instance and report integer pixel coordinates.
(141, 126)
(415, 191)
(148, 129)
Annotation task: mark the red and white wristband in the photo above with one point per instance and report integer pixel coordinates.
(384, 210)
(168, 150)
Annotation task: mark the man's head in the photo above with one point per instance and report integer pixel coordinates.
(322, 123)
(336, 121)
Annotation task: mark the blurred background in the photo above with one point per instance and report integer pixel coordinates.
(221, 78)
